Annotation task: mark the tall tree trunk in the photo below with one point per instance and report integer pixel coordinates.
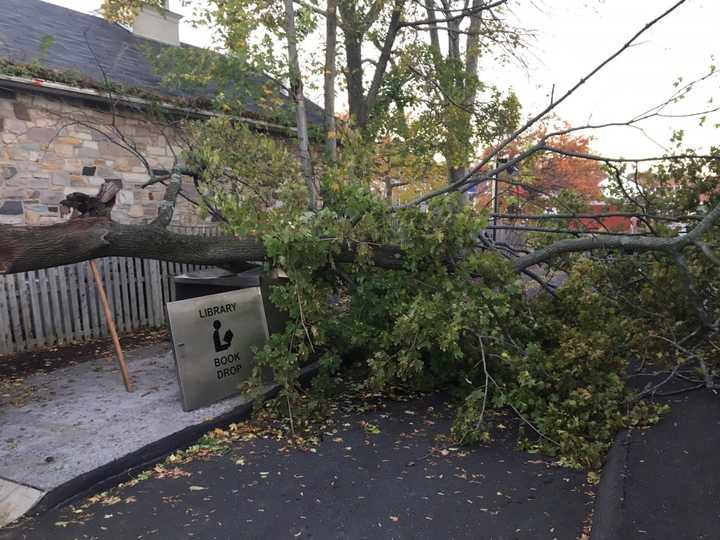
(353, 34)
(355, 27)
(453, 31)
(455, 174)
(434, 34)
(455, 171)
(464, 86)
(385, 53)
(472, 47)
(354, 77)
(296, 89)
(330, 73)
(470, 89)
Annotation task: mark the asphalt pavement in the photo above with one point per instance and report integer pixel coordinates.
(382, 470)
(663, 483)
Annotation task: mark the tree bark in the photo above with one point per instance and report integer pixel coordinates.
(296, 89)
(330, 74)
(353, 54)
(32, 248)
(385, 53)
(355, 27)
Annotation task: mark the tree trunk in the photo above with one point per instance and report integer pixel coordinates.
(385, 53)
(455, 174)
(354, 78)
(330, 73)
(355, 26)
(31, 248)
(296, 89)
(434, 35)
(472, 47)
(25, 248)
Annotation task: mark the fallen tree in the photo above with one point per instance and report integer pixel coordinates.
(427, 296)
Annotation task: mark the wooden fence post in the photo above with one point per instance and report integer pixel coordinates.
(111, 327)
(5, 332)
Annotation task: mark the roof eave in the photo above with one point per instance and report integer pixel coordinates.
(64, 90)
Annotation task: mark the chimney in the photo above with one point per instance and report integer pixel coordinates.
(158, 24)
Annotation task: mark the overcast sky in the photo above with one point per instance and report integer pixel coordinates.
(572, 36)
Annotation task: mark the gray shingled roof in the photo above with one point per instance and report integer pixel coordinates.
(24, 24)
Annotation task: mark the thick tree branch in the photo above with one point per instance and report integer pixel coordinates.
(601, 215)
(32, 248)
(670, 246)
(521, 228)
(387, 47)
(167, 205)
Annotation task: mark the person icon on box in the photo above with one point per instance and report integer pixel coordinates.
(227, 338)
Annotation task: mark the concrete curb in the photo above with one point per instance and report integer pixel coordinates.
(126, 467)
(610, 501)
(16, 499)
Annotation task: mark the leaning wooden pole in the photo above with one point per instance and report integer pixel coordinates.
(111, 326)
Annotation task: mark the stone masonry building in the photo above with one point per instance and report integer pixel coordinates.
(48, 145)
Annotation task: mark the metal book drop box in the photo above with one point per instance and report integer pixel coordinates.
(217, 322)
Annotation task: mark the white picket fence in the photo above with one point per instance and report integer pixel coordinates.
(61, 305)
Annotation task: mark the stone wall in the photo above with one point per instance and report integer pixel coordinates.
(42, 159)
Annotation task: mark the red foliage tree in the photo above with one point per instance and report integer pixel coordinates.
(549, 173)
(554, 172)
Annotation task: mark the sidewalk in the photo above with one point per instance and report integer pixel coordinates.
(67, 429)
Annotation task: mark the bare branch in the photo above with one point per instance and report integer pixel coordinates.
(465, 12)
(598, 216)
(606, 159)
(643, 244)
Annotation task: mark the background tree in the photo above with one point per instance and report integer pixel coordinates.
(551, 173)
(548, 181)
(443, 64)
(396, 66)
